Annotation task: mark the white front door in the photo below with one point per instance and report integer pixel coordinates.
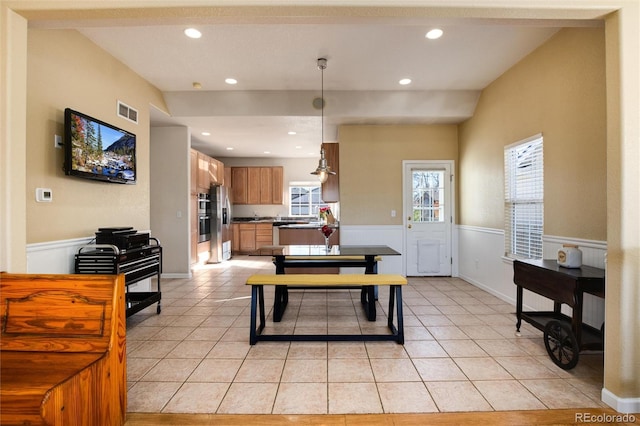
(428, 217)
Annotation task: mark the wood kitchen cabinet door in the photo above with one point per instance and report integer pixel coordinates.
(235, 238)
(253, 185)
(204, 181)
(239, 177)
(265, 185)
(331, 188)
(193, 166)
(247, 237)
(226, 173)
(216, 172)
(277, 185)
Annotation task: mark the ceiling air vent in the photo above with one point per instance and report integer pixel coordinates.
(128, 113)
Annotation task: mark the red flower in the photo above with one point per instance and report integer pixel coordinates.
(326, 230)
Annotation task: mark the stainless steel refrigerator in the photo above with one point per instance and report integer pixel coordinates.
(220, 224)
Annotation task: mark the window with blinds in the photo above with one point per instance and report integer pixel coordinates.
(524, 198)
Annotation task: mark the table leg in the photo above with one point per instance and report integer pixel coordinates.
(576, 318)
(279, 262)
(518, 307)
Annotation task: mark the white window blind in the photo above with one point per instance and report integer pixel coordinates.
(524, 198)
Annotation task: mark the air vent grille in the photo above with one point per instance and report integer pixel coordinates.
(128, 113)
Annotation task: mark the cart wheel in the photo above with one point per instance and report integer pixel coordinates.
(561, 344)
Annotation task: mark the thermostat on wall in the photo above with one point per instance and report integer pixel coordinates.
(44, 195)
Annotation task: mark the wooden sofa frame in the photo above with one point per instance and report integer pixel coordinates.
(62, 349)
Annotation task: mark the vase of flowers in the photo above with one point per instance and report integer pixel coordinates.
(325, 215)
(326, 232)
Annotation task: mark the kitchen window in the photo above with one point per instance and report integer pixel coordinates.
(524, 198)
(305, 199)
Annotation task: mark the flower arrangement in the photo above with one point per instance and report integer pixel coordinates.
(326, 231)
(325, 212)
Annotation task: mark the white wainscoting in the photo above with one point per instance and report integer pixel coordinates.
(58, 257)
(391, 236)
(54, 257)
(482, 263)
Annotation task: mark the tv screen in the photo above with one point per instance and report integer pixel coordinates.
(97, 150)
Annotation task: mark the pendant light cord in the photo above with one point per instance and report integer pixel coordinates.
(322, 109)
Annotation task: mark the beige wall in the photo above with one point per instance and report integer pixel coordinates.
(65, 69)
(558, 90)
(371, 167)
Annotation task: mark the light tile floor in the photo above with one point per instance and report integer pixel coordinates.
(461, 353)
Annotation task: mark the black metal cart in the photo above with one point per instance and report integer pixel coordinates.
(136, 264)
(564, 336)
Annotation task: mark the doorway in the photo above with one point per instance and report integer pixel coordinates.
(428, 210)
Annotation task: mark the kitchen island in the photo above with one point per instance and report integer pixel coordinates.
(251, 233)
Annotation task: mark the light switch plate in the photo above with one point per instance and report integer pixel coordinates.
(57, 141)
(44, 195)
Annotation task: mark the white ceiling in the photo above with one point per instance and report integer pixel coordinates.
(275, 65)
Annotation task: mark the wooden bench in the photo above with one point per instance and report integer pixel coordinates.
(366, 281)
(62, 349)
(368, 294)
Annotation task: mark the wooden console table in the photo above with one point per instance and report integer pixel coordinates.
(564, 336)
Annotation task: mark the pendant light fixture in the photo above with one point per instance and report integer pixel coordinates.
(323, 171)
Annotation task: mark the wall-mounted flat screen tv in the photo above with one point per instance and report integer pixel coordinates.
(97, 150)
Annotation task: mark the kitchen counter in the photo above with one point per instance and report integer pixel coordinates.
(310, 225)
(285, 221)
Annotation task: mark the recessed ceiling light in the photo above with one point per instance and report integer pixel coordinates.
(197, 85)
(267, 152)
(292, 133)
(229, 148)
(405, 81)
(298, 147)
(206, 134)
(231, 81)
(192, 33)
(434, 34)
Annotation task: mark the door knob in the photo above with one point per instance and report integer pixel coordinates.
(409, 226)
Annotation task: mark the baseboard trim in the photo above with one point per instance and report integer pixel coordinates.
(621, 405)
(173, 275)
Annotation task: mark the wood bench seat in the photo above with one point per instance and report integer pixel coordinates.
(367, 281)
(62, 349)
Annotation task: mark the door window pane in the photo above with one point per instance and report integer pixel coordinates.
(428, 195)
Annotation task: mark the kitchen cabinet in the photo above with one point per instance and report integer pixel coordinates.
(331, 188)
(193, 206)
(254, 235)
(265, 185)
(235, 238)
(264, 234)
(247, 237)
(239, 185)
(227, 178)
(306, 236)
(253, 185)
(216, 172)
(203, 173)
(277, 185)
(257, 185)
(193, 172)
